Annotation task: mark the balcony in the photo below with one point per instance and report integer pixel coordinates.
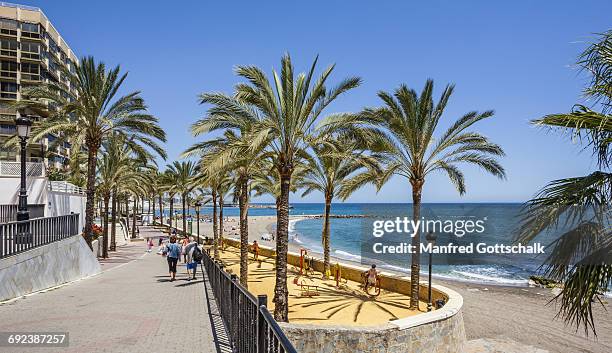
(8, 74)
(13, 169)
(30, 55)
(9, 53)
(30, 77)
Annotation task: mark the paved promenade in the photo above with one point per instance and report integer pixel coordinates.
(130, 307)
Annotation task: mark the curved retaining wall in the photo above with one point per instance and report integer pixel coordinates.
(438, 331)
(46, 266)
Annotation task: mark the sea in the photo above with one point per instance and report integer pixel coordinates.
(348, 236)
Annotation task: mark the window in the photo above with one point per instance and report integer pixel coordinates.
(8, 47)
(8, 26)
(8, 66)
(7, 154)
(8, 90)
(8, 69)
(6, 23)
(30, 27)
(30, 47)
(30, 50)
(30, 71)
(7, 129)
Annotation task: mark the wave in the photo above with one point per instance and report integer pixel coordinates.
(482, 278)
(347, 255)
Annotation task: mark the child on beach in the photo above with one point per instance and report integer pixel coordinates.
(372, 274)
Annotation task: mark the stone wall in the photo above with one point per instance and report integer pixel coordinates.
(46, 266)
(443, 336)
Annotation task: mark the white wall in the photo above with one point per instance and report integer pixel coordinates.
(46, 266)
(62, 203)
(9, 190)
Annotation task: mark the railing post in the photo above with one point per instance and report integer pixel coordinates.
(234, 310)
(262, 300)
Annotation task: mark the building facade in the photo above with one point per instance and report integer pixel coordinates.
(31, 52)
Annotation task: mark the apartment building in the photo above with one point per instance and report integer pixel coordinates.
(31, 52)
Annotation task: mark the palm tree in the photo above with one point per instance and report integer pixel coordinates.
(91, 113)
(168, 180)
(230, 151)
(289, 107)
(402, 134)
(580, 205)
(119, 168)
(184, 173)
(338, 168)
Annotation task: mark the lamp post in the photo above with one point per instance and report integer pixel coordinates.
(197, 206)
(24, 125)
(176, 221)
(431, 239)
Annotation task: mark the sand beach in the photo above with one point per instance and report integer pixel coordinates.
(521, 314)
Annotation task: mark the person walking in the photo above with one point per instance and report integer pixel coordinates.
(149, 244)
(185, 242)
(173, 255)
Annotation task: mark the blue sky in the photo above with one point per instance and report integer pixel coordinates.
(514, 57)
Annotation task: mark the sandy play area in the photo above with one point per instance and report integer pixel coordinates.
(347, 305)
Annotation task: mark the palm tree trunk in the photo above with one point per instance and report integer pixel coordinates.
(325, 236)
(215, 233)
(134, 217)
(184, 201)
(161, 209)
(105, 232)
(114, 222)
(415, 266)
(92, 152)
(243, 201)
(127, 214)
(171, 213)
(153, 203)
(221, 220)
(281, 294)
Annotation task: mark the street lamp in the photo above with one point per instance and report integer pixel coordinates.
(176, 221)
(24, 126)
(431, 239)
(197, 206)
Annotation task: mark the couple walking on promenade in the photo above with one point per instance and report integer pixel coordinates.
(192, 256)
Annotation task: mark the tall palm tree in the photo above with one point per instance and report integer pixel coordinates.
(184, 173)
(91, 115)
(119, 168)
(168, 180)
(580, 258)
(289, 108)
(402, 132)
(230, 151)
(338, 168)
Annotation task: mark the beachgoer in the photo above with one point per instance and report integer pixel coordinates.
(173, 254)
(255, 250)
(185, 241)
(372, 274)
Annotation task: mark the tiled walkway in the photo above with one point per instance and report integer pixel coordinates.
(130, 307)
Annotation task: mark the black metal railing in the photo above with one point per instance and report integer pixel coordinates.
(250, 326)
(8, 213)
(16, 237)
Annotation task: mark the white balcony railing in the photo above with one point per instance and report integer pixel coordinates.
(13, 169)
(64, 186)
